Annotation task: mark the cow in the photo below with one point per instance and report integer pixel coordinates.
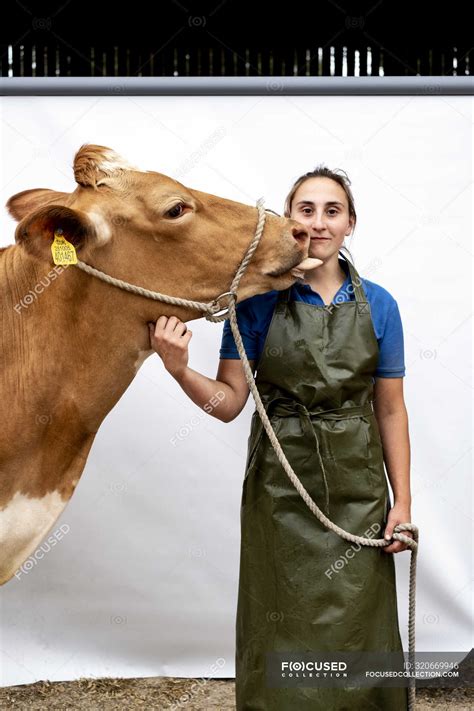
(72, 344)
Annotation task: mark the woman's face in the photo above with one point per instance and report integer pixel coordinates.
(321, 205)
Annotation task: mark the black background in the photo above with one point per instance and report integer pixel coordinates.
(240, 24)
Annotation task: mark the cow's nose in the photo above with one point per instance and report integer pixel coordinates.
(300, 234)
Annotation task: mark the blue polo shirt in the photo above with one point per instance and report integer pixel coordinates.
(255, 314)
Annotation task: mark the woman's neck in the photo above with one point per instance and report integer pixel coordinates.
(328, 275)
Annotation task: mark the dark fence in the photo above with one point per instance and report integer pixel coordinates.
(36, 60)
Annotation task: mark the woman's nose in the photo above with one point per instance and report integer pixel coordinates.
(317, 223)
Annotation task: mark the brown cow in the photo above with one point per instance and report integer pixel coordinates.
(72, 344)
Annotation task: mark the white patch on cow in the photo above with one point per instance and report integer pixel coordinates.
(112, 161)
(142, 356)
(104, 232)
(24, 522)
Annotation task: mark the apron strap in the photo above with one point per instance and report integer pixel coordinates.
(359, 293)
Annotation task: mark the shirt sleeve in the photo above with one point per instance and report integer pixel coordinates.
(246, 323)
(391, 362)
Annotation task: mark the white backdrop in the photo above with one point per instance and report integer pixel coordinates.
(144, 579)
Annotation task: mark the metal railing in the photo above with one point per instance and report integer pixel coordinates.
(36, 60)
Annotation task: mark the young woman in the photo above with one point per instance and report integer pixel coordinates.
(330, 367)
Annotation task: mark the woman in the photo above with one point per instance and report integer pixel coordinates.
(330, 360)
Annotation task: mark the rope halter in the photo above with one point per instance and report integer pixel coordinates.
(210, 308)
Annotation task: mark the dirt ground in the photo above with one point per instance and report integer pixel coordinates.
(160, 693)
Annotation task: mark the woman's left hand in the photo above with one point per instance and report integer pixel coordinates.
(398, 514)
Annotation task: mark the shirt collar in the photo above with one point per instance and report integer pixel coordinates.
(344, 266)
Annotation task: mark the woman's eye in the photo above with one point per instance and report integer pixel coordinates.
(175, 211)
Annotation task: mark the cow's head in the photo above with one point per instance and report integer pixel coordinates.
(149, 229)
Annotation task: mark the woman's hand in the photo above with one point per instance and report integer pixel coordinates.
(399, 513)
(170, 338)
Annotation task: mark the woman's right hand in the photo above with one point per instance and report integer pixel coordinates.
(170, 338)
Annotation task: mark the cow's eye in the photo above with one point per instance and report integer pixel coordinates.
(175, 211)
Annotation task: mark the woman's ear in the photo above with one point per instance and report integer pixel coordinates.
(35, 232)
(350, 227)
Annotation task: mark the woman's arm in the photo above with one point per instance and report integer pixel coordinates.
(392, 419)
(224, 397)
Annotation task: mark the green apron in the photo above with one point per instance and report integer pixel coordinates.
(315, 378)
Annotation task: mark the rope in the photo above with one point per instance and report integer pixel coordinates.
(210, 310)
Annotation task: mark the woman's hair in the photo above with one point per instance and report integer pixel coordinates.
(340, 177)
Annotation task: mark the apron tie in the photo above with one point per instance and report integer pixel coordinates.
(287, 407)
(310, 431)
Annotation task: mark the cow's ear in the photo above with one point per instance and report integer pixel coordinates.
(27, 201)
(36, 231)
(94, 165)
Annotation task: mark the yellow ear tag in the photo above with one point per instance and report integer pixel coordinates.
(63, 252)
